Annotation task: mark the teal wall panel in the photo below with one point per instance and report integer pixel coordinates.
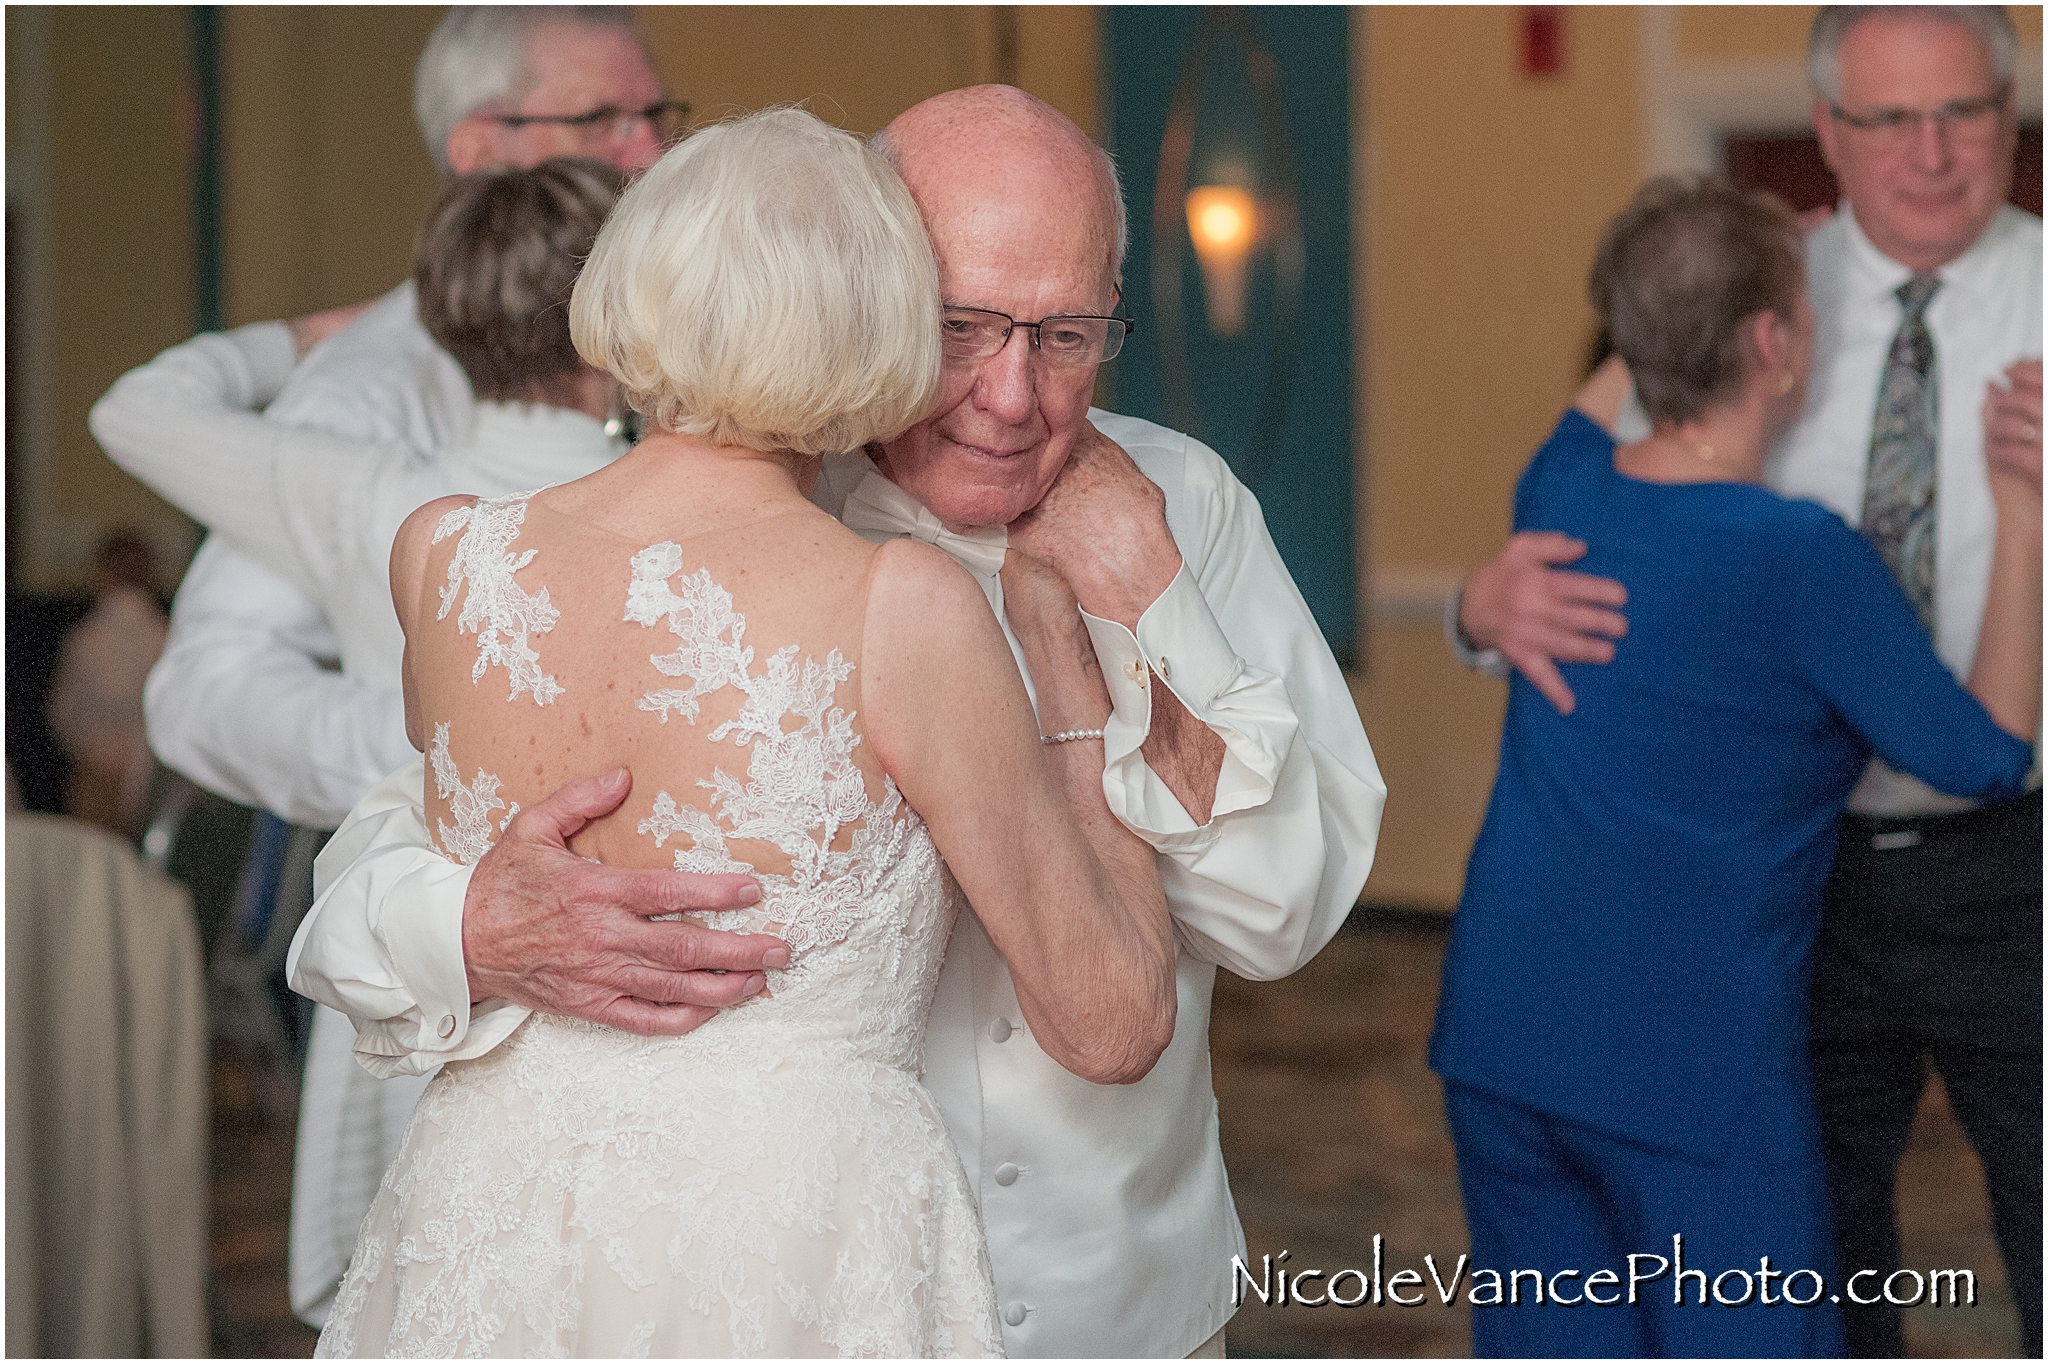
(1259, 98)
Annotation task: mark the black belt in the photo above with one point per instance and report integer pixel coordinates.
(1892, 833)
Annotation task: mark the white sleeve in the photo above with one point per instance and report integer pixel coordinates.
(383, 941)
(183, 424)
(240, 703)
(1270, 878)
(186, 424)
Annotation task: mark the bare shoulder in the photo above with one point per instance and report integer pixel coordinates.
(918, 588)
(928, 625)
(413, 547)
(939, 680)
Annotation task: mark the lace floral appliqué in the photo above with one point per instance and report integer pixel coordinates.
(470, 839)
(802, 785)
(776, 1182)
(497, 609)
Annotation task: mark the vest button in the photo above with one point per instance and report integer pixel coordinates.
(999, 1031)
(1006, 1175)
(1013, 1315)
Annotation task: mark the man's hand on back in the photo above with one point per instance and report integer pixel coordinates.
(547, 929)
(1539, 615)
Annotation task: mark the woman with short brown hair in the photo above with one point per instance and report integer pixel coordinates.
(1622, 1028)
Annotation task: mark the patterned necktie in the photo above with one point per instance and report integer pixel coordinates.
(1898, 494)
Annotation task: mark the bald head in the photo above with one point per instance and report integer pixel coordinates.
(1026, 220)
(988, 143)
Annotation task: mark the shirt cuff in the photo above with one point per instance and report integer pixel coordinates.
(424, 940)
(1489, 661)
(381, 1045)
(1179, 642)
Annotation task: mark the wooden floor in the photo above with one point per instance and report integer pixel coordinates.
(1333, 1131)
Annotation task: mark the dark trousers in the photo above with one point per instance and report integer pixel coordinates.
(1930, 952)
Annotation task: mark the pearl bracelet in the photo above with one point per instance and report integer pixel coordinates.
(1068, 735)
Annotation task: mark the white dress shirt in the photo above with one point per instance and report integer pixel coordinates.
(1986, 316)
(240, 701)
(1109, 1218)
(316, 515)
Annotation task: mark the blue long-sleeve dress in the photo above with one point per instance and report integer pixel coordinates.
(1631, 951)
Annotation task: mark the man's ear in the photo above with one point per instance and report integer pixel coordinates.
(471, 144)
(1824, 129)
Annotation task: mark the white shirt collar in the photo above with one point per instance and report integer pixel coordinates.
(531, 445)
(1875, 277)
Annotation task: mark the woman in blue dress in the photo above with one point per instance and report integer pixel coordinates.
(1622, 1028)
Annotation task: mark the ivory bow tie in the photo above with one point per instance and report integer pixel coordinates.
(878, 505)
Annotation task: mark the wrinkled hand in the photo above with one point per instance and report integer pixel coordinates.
(1102, 527)
(1539, 615)
(2012, 432)
(545, 928)
(1035, 596)
(310, 330)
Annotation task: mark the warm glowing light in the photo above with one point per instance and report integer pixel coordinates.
(1223, 224)
(1223, 221)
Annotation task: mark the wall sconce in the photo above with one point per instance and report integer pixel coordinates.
(1223, 220)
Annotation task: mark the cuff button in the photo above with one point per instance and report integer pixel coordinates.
(447, 1028)
(1135, 670)
(1165, 669)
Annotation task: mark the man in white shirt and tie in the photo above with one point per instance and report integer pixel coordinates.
(1926, 290)
(240, 701)
(1234, 749)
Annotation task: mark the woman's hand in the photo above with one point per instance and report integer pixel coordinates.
(2012, 441)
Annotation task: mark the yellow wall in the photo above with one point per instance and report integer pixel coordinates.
(1733, 32)
(1486, 191)
(326, 175)
(98, 174)
(860, 66)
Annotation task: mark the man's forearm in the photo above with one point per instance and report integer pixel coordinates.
(1187, 755)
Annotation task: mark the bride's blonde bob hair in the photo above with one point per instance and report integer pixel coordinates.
(768, 284)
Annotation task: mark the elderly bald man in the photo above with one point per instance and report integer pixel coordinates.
(1234, 749)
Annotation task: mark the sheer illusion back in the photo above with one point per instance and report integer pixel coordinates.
(776, 1182)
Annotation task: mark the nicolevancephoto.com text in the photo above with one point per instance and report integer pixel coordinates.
(1277, 1285)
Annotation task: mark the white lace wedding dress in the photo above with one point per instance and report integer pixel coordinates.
(775, 1183)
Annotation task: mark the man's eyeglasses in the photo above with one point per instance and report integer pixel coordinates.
(608, 125)
(1963, 122)
(977, 333)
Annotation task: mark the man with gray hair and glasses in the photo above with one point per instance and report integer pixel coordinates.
(241, 701)
(1926, 289)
